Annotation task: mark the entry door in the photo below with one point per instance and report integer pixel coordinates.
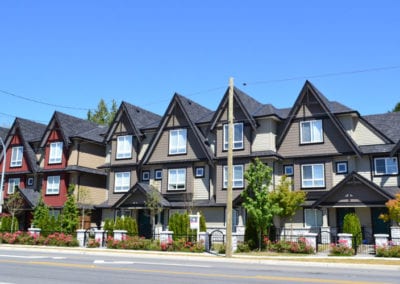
(378, 225)
(340, 213)
(144, 225)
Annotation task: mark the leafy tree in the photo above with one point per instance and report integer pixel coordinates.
(14, 205)
(8, 224)
(393, 207)
(70, 213)
(203, 226)
(257, 198)
(397, 107)
(102, 115)
(41, 217)
(179, 224)
(289, 201)
(351, 225)
(153, 203)
(84, 202)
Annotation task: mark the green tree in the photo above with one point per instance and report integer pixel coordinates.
(102, 115)
(14, 205)
(41, 217)
(70, 213)
(83, 202)
(153, 203)
(351, 225)
(257, 198)
(397, 107)
(289, 201)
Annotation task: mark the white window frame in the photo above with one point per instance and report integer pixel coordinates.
(53, 185)
(56, 150)
(288, 170)
(122, 181)
(12, 183)
(390, 164)
(177, 179)
(17, 153)
(237, 129)
(313, 215)
(339, 165)
(313, 182)
(158, 174)
(237, 179)
(124, 147)
(145, 175)
(177, 141)
(316, 134)
(199, 172)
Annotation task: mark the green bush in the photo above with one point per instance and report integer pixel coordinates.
(121, 223)
(388, 251)
(351, 225)
(243, 247)
(6, 223)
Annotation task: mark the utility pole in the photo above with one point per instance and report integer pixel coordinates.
(228, 250)
(2, 175)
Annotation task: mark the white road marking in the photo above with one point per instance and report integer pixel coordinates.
(149, 263)
(31, 256)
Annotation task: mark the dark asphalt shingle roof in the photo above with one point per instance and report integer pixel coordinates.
(250, 104)
(195, 111)
(143, 119)
(3, 133)
(31, 196)
(387, 123)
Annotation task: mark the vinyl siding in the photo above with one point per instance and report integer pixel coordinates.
(123, 128)
(87, 154)
(327, 170)
(95, 186)
(221, 193)
(201, 185)
(264, 136)
(115, 196)
(364, 136)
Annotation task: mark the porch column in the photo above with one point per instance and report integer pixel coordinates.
(381, 240)
(395, 234)
(346, 239)
(240, 227)
(325, 229)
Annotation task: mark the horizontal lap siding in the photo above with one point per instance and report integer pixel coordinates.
(264, 136)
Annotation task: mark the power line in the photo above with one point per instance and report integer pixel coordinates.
(41, 102)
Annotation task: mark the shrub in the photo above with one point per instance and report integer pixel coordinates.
(92, 243)
(243, 247)
(56, 239)
(388, 251)
(284, 246)
(6, 223)
(351, 225)
(341, 249)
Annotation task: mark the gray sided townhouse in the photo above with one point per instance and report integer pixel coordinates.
(344, 161)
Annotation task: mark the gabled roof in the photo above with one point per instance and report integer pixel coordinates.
(69, 126)
(3, 133)
(194, 113)
(31, 196)
(29, 132)
(354, 177)
(249, 106)
(143, 189)
(331, 109)
(139, 118)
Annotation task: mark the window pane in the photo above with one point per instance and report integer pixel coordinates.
(307, 172)
(55, 152)
(305, 132)
(177, 141)
(391, 166)
(318, 172)
(124, 147)
(16, 156)
(317, 131)
(176, 179)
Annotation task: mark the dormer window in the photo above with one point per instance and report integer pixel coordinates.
(55, 152)
(386, 166)
(311, 132)
(177, 141)
(16, 156)
(124, 147)
(237, 136)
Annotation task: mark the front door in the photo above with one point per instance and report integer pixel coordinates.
(378, 225)
(144, 224)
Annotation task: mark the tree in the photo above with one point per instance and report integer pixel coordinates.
(70, 213)
(257, 198)
(153, 203)
(289, 201)
(41, 217)
(393, 206)
(351, 225)
(397, 107)
(84, 202)
(102, 115)
(14, 205)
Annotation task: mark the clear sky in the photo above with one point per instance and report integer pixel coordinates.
(67, 55)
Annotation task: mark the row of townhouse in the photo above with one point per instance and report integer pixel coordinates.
(344, 161)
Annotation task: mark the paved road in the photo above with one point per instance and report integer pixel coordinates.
(59, 266)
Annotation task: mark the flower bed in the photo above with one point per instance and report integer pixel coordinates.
(388, 251)
(341, 249)
(284, 246)
(23, 238)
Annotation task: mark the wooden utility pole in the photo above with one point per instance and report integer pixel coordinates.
(228, 250)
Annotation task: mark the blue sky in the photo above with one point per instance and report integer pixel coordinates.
(70, 54)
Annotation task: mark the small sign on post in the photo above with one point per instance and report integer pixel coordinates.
(195, 223)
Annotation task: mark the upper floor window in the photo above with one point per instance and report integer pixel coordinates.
(122, 181)
(237, 181)
(177, 141)
(55, 152)
(158, 174)
(311, 131)
(341, 167)
(312, 175)
(237, 136)
(16, 156)
(176, 179)
(12, 183)
(53, 185)
(146, 176)
(386, 166)
(124, 147)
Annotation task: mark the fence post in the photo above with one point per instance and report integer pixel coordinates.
(395, 235)
(204, 237)
(119, 235)
(311, 239)
(346, 237)
(99, 237)
(34, 232)
(80, 236)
